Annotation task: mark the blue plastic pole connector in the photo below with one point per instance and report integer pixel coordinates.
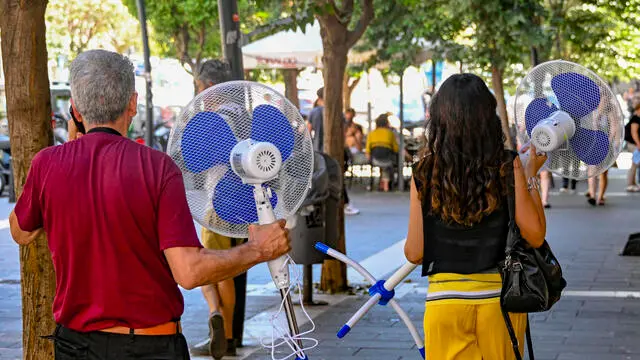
(385, 295)
(303, 358)
(422, 352)
(344, 331)
(322, 247)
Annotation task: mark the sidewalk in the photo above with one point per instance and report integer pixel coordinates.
(592, 321)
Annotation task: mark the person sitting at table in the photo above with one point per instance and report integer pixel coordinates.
(354, 138)
(382, 150)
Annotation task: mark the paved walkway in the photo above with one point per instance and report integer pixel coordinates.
(598, 317)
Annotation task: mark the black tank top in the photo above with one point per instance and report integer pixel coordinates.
(455, 248)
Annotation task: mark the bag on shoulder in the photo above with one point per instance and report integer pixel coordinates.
(531, 278)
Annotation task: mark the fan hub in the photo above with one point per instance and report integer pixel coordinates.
(255, 162)
(551, 133)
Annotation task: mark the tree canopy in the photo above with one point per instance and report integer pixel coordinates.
(74, 26)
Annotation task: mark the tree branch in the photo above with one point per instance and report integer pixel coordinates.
(182, 43)
(354, 83)
(201, 41)
(365, 18)
(346, 12)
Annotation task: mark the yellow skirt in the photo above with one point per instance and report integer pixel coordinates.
(215, 241)
(463, 320)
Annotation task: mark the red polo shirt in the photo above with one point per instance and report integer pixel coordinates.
(109, 207)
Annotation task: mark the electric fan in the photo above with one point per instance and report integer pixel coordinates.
(246, 156)
(569, 113)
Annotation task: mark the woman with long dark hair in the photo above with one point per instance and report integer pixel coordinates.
(459, 222)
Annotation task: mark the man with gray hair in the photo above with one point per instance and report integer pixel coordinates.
(119, 228)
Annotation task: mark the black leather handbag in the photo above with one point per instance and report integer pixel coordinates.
(531, 278)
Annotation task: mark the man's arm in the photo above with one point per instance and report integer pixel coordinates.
(20, 236)
(26, 221)
(193, 267)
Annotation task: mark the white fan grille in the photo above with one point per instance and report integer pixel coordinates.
(607, 118)
(235, 102)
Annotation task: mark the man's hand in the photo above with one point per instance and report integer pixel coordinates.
(270, 241)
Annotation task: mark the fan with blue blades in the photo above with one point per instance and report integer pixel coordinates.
(246, 157)
(572, 115)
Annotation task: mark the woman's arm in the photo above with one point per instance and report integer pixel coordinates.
(530, 216)
(414, 247)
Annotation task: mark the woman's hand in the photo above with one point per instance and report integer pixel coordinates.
(535, 161)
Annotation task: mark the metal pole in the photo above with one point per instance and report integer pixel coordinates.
(142, 17)
(307, 285)
(401, 147)
(230, 36)
(434, 78)
(369, 118)
(534, 56)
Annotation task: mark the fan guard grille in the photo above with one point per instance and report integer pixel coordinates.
(607, 118)
(235, 102)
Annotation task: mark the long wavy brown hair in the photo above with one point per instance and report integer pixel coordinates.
(463, 160)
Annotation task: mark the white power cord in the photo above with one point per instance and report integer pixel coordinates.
(280, 332)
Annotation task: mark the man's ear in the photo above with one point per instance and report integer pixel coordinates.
(133, 104)
(76, 113)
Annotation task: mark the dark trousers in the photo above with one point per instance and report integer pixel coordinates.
(565, 183)
(96, 345)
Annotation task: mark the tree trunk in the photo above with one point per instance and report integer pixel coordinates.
(24, 54)
(498, 89)
(334, 60)
(291, 86)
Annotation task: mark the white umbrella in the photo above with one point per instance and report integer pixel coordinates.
(290, 50)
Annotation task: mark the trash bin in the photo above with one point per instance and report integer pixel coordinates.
(317, 219)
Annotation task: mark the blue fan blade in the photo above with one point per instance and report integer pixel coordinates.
(577, 94)
(591, 146)
(233, 201)
(271, 125)
(207, 141)
(537, 110)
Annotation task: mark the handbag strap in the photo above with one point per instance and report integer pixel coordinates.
(514, 339)
(511, 200)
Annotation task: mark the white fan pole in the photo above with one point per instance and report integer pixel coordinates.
(278, 267)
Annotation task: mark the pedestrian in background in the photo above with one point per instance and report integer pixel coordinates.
(459, 221)
(632, 137)
(316, 127)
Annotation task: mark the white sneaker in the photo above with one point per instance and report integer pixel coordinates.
(633, 188)
(350, 210)
(564, 190)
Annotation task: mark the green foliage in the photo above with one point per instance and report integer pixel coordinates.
(266, 76)
(496, 32)
(74, 26)
(598, 34)
(395, 34)
(189, 30)
(185, 29)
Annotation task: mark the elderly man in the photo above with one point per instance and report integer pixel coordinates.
(119, 228)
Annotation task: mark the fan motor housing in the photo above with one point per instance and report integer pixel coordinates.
(549, 134)
(255, 162)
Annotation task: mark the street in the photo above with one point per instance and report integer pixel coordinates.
(597, 318)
